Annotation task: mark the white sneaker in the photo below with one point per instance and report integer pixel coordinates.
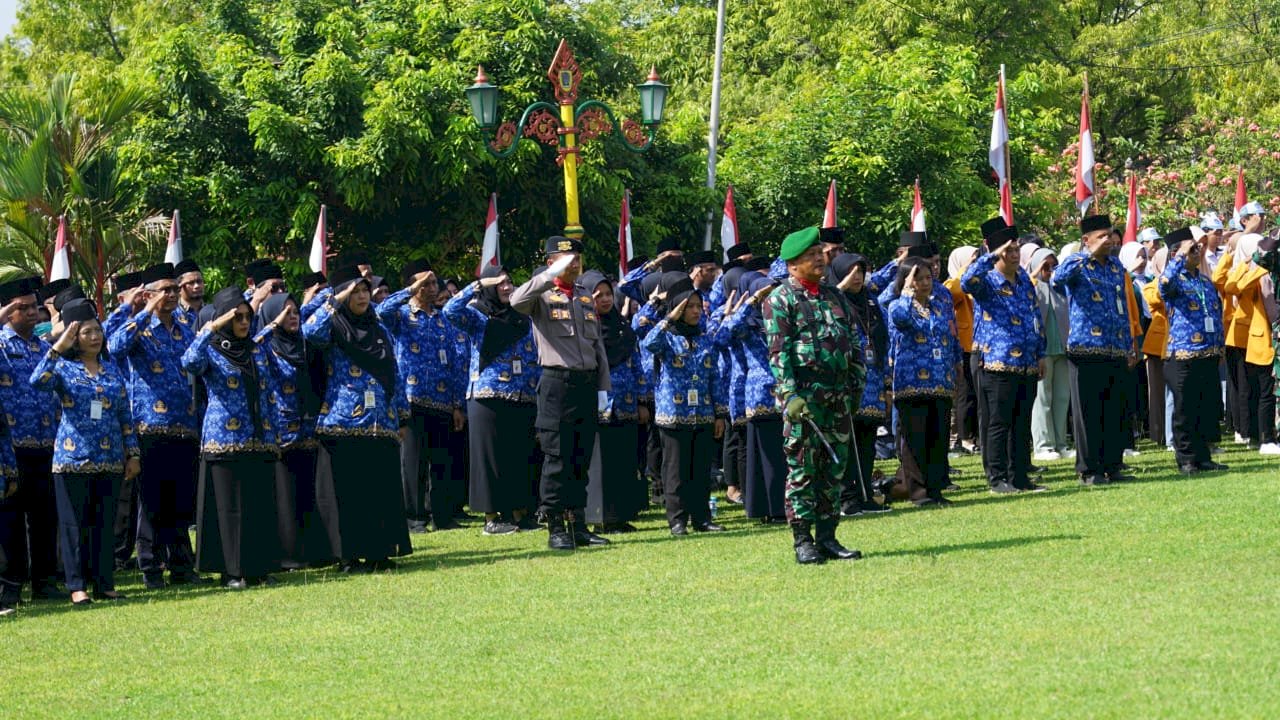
(1130, 452)
(1047, 456)
(1069, 453)
(1269, 449)
(1240, 440)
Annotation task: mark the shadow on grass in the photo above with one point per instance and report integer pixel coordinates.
(983, 545)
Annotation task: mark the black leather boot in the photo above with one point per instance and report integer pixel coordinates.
(582, 535)
(558, 537)
(829, 546)
(806, 552)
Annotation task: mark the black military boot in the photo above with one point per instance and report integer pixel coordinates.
(829, 546)
(806, 552)
(558, 537)
(582, 535)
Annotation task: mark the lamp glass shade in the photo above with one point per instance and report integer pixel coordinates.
(653, 99)
(484, 103)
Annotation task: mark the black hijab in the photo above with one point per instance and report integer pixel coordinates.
(365, 341)
(292, 348)
(749, 283)
(506, 327)
(238, 351)
(865, 310)
(619, 338)
(677, 291)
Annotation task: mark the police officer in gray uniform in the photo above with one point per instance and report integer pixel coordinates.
(575, 372)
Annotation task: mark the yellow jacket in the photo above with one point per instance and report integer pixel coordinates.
(1158, 331)
(1235, 323)
(964, 313)
(1244, 284)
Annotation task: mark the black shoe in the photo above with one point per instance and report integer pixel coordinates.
(582, 537)
(709, 526)
(417, 527)
(109, 596)
(770, 520)
(154, 582)
(951, 487)
(235, 584)
(450, 524)
(1091, 480)
(498, 527)
(1037, 469)
(186, 577)
(873, 507)
(383, 565)
(807, 553)
(616, 528)
(464, 516)
(48, 592)
(355, 567)
(833, 550)
(528, 523)
(1120, 477)
(851, 510)
(1211, 466)
(1003, 488)
(264, 581)
(558, 537)
(679, 528)
(1031, 488)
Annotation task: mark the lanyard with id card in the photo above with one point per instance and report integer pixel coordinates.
(95, 409)
(370, 400)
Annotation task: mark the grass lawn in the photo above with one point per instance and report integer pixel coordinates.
(1159, 598)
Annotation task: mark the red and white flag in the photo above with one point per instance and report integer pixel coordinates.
(1084, 165)
(489, 253)
(1133, 219)
(319, 242)
(998, 151)
(829, 219)
(173, 251)
(729, 224)
(917, 211)
(625, 249)
(60, 266)
(1242, 197)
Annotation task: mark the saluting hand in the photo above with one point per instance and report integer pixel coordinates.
(846, 282)
(68, 337)
(341, 297)
(559, 266)
(908, 287)
(153, 301)
(224, 319)
(679, 310)
(759, 295)
(135, 298)
(416, 285)
(262, 292)
(1184, 249)
(494, 281)
(1001, 250)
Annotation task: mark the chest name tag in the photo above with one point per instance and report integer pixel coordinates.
(370, 400)
(95, 410)
(693, 396)
(444, 357)
(1208, 324)
(517, 367)
(937, 353)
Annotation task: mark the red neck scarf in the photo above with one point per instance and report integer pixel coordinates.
(809, 285)
(566, 288)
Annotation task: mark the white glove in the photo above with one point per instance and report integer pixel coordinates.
(558, 267)
(602, 401)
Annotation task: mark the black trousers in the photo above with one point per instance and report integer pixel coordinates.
(765, 489)
(686, 472)
(426, 472)
(1193, 383)
(566, 423)
(303, 539)
(166, 499)
(964, 419)
(1098, 402)
(1257, 399)
(922, 446)
(734, 457)
(238, 528)
(857, 472)
(1007, 450)
(126, 521)
(31, 537)
(978, 377)
(86, 514)
(1237, 414)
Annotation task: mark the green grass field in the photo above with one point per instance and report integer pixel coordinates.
(1158, 598)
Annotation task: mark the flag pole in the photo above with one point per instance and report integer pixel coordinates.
(713, 135)
(1008, 171)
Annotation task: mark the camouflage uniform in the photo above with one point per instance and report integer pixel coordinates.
(814, 354)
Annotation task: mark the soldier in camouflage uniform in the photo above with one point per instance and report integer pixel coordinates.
(816, 360)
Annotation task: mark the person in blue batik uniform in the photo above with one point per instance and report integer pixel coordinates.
(10, 592)
(237, 529)
(733, 376)
(1195, 346)
(925, 353)
(96, 447)
(1100, 350)
(848, 274)
(1012, 350)
(295, 402)
(429, 363)
(359, 427)
(616, 493)
(505, 461)
(126, 287)
(30, 537)
(689, 412)
(164, 413)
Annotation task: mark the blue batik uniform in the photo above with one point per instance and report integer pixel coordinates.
(1194, 311)
(925, 349)
(688, 391)
(642, 323)
(1008, 320)
(730, 362)
(309, 307)
(295, 426)
(86, 444)
(160, 389)
(628, 389)
(426, 345)
(874, 405)
(8, 461)
(228, 426)
(752, 378)
(30, 412)
(1099, 317)
(629, 286)
(113, 322)
(344, 411)
(513, 375)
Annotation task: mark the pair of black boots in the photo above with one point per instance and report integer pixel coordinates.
(811, 550)
(570, 534)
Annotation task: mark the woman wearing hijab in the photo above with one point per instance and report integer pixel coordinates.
(358, 489)
(96, 448)
(732, 366)
(615, 491)
(964, 421)
(1254, 295)
(1053, 393)
(872, 409)
(1133, 256)
(689, 413)
(295, 401)
(236, 522)
(1159, 396)
(501, 402)
(1026, 252)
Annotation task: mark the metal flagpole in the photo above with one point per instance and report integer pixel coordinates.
(713, 135)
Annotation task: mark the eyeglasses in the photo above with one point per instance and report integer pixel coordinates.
(167, 290)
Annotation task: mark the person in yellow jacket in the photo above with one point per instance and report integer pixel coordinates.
(1153, 346)
(1235, 325)
(1251, 288)
(964, 417)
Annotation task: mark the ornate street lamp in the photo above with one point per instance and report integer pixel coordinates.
(562, 125)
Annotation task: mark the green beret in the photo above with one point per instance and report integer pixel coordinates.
(797, 242)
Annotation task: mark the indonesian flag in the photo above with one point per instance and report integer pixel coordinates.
(829, 217)
(60, 267)
(173, 251)
(625, 248)
(318, 260)
(1084, 166)
(998, 152)
(1242, 198)
(917, 211)
(489, 254)
(729, 224)
(1133, 219)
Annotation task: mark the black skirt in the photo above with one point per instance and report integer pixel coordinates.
(358, 497)
(236, 532)
(505, 461)
(302, 536)
(616, 493)
(764, 494)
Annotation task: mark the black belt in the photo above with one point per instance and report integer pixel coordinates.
(571, 375)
